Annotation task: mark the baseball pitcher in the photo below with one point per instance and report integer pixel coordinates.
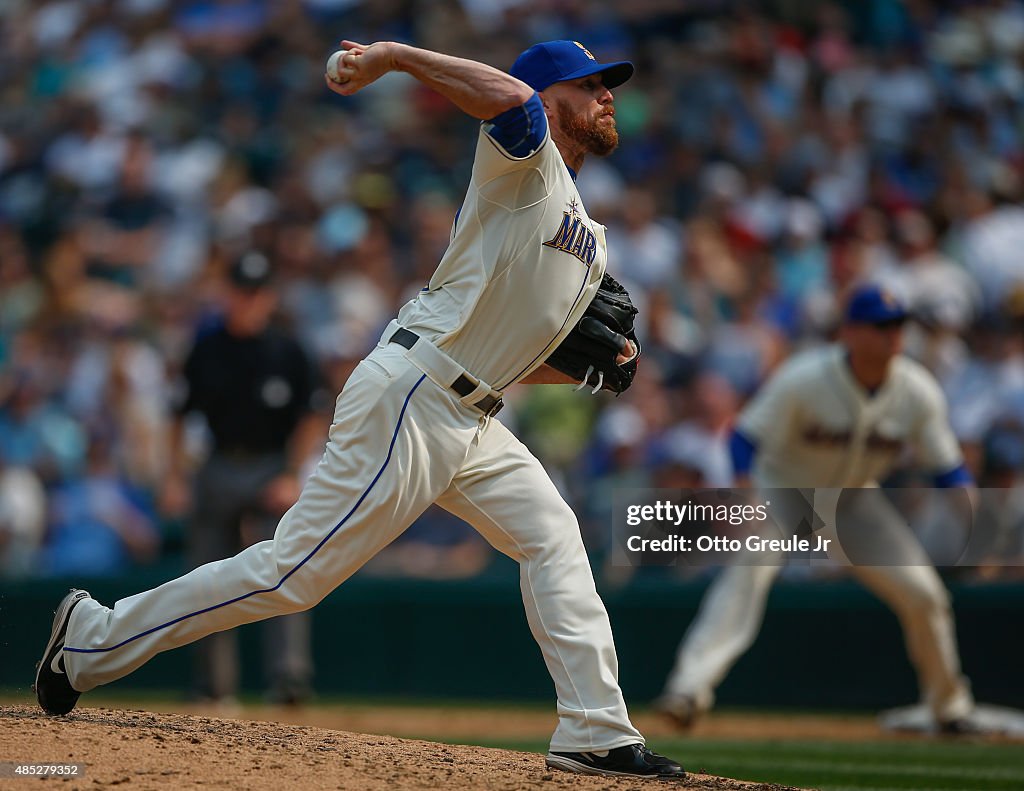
(415, 423)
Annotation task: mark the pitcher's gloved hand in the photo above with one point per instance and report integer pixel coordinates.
(589, 354)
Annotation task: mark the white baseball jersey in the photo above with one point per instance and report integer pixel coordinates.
(524, 262)
(815, 426)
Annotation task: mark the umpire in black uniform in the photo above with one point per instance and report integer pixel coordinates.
(256, 387)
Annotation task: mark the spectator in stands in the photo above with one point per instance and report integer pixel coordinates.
(98, 524)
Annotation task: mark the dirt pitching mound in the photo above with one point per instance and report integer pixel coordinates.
(148, 750)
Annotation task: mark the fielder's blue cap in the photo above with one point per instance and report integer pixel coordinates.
(555, 61)
(872, 304)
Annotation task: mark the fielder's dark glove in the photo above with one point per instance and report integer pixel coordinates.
(588, 352)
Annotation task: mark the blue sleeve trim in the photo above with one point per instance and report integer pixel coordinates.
(521, 130)
(958, 476)
(742, 451)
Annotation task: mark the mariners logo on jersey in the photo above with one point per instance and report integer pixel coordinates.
(574, 236)
(875, 441)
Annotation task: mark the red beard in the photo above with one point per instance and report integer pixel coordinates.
(595, 137)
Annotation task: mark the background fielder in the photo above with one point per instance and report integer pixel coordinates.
(414, 425)
(839, 416)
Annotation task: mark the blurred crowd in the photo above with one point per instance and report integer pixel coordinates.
(772, 154)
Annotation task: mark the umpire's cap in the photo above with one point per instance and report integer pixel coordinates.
(556, 61)
(250, 271)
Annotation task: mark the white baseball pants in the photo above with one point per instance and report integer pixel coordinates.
(399, 442)
(732, 611)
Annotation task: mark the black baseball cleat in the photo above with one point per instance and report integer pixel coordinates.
(53, 690)
(633, 760)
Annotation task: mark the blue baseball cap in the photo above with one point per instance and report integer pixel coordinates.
(872, 304)
(556, 61)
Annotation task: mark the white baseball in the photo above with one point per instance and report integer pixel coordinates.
(332, 67)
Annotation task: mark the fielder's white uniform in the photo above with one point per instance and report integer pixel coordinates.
(815, 426)
(523, 264)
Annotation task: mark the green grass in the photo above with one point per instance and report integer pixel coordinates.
(838, 766)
